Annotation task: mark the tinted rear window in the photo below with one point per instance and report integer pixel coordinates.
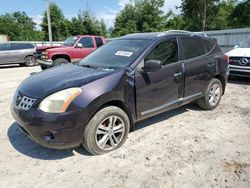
(207, 44)
(192, 47)
(19, 46)
(3, 47)
(98, 41)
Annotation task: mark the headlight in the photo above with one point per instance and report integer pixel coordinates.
(58, 102)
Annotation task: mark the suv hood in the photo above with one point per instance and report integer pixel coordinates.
(40, 48)
(44, 83)
(239, 52)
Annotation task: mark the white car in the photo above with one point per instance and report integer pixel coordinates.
(239, 59)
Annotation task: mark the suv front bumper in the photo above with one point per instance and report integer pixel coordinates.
(44, 63)
(57, 131)
(243, 71)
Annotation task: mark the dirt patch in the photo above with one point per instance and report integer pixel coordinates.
(186, 147)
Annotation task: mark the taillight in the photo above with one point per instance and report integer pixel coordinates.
(226, 57)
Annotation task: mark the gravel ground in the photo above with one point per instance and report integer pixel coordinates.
(186, 147)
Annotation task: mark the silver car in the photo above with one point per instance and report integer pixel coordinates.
(17, 53)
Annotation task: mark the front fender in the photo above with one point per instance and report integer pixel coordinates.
(52, 55)
(111, 89)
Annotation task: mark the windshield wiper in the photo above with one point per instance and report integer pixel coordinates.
(96, 67)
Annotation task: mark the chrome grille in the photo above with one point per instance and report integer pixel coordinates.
(23, 102)
(39, 54)
(236, 61)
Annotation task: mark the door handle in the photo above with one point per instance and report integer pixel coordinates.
(210, 64)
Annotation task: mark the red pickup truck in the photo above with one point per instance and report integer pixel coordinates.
(73, 49)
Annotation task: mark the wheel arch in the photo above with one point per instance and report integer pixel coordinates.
(64, 56)
(223, 82)
(121, 105)
(30, 55)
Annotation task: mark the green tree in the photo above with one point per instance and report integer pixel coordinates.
(199, 14)
(86, 23)
(139, 16)
(149, 15)
(125, 21)
(175, 22)
(223, 17)
(59, 24)
(241, 15)
(18, 26)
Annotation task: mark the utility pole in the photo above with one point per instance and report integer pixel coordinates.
(49, 22)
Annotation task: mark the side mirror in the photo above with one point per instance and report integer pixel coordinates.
(79, 45)
(152, 66)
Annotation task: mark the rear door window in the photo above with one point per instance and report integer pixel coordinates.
(3, 47)
(20, 46)
(98, 41)
(192, 47)
(87, 42)
(27, 46)
(14, 46)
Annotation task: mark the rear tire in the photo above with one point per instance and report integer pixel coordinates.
(212, 96)
(106, 131)
(30, 61)
(59, 61)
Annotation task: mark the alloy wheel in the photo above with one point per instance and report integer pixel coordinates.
(110, 133)
(214, 94)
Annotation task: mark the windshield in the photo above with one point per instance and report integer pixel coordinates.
(246, 44)
(115, 54)
(70, 41)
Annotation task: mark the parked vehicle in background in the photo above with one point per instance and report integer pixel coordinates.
(17, 53)
(73, 49)
(97, 101)
(239, 59)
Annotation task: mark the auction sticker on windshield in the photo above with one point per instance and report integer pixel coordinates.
(124, 53)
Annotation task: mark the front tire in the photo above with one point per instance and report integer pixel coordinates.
(106, 131)
(30, 61)
(59, 61)
(212, 96)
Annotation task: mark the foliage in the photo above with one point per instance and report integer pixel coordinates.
(223, 19)
(241, 15)
(199, 14)
(86, 23)
(19, 27)
(175, 22)
(58, 24)
(136, 16)
(139, 16)
(125, 21)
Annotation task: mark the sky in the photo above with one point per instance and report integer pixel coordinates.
(105, 9)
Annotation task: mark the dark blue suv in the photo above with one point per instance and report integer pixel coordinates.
(97, 101)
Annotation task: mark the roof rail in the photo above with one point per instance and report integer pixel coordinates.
(201, 34)
(179, 31)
